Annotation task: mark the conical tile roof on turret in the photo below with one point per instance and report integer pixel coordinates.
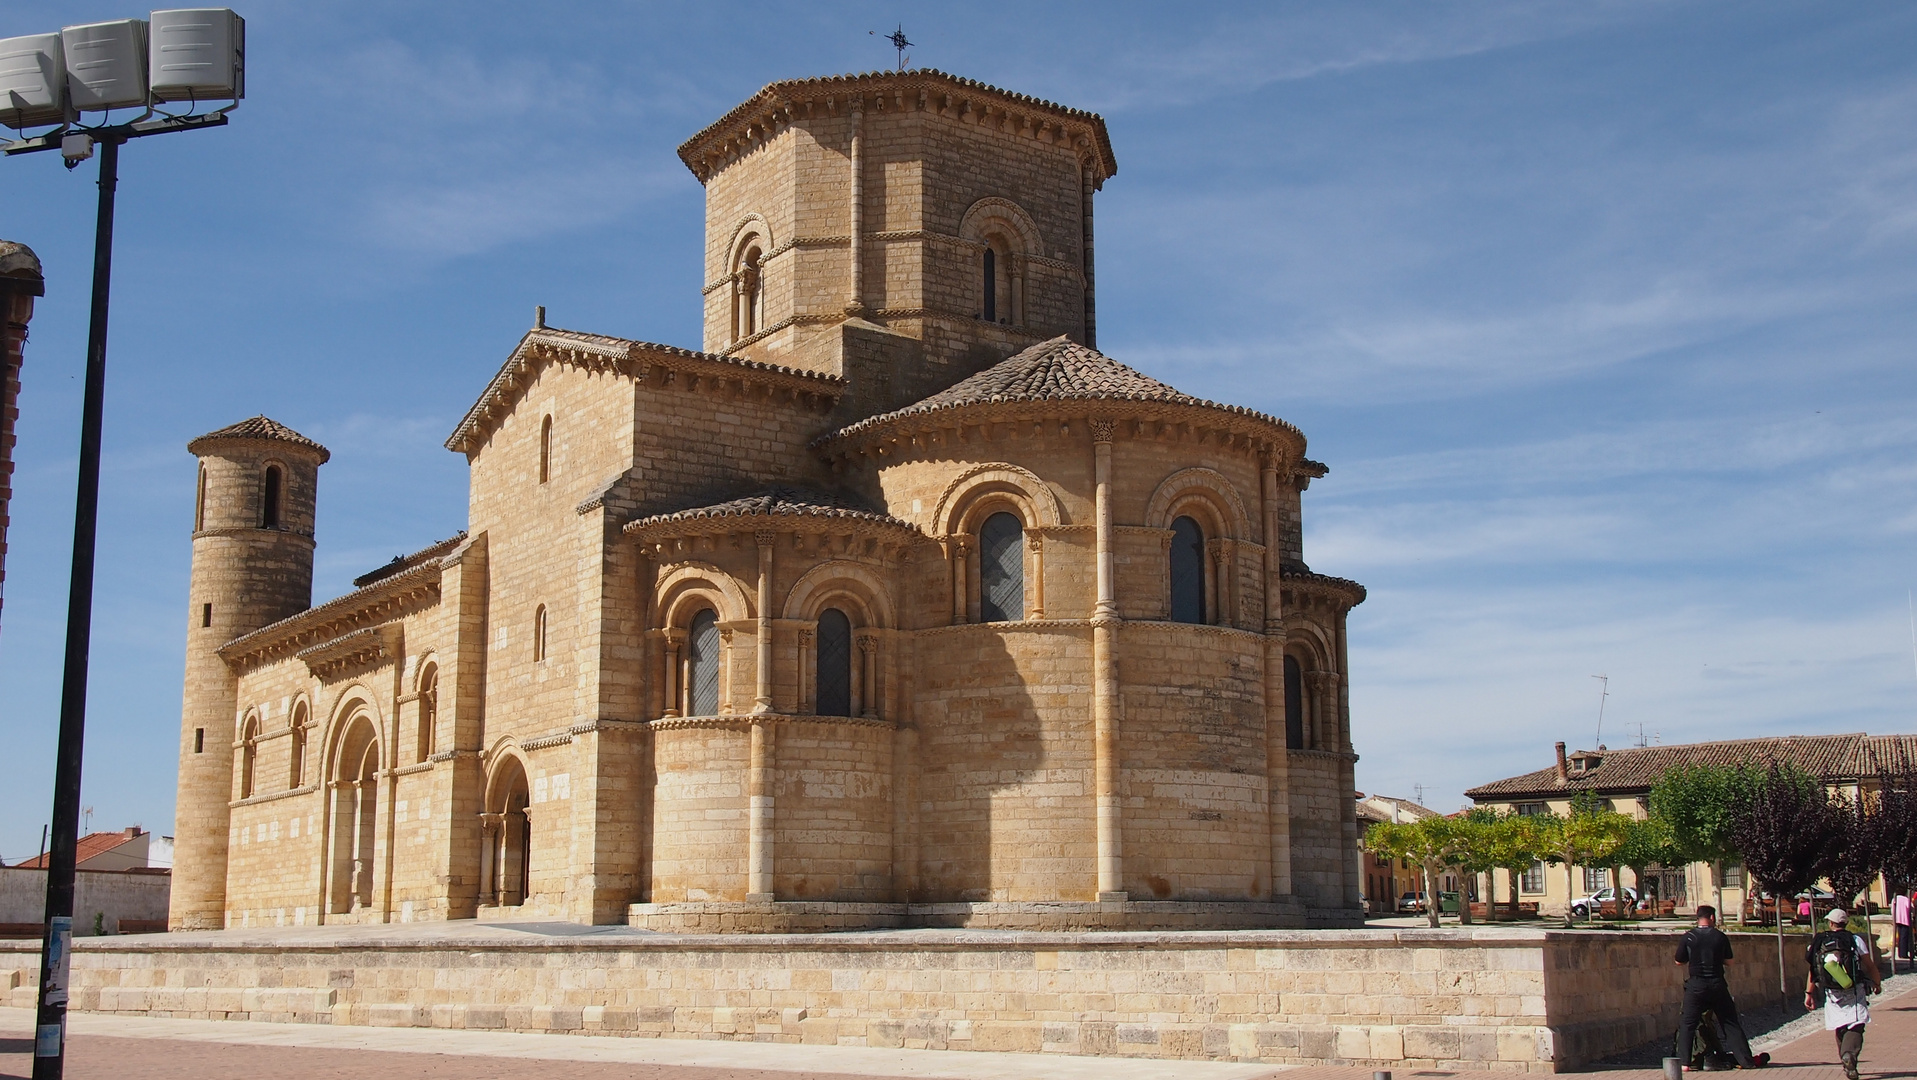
(1056, 370)
(258, 428)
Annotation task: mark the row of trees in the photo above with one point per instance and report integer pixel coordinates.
(1778, 821)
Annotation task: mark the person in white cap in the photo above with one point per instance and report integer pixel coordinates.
(1844, 971)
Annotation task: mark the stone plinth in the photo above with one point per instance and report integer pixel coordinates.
(1490, 998)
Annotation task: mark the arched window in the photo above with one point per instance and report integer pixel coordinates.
(1001, 568)
(990, 284)
(506, 861)
(835, 664)
(355, 788)
(249, 755)
(1187, 571)
(702, 664)
(199, 503)
(296, 772)
(270, 503)
(539, 634)
(428, 710)
(545, 449)
(1294, 705)
(748, 303)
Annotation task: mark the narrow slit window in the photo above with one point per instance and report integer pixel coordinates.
(206, 614)
(539, 633)
(702, 655)
(990, 284)
(1187, 571)
(835, 664)
(1001, 568)
(199, 740)
(1294, 705)
(199, 503)
(270, 503)
(545, 450)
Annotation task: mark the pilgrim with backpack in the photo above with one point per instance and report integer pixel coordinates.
(1844, 972)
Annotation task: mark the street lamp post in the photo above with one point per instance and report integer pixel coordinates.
(190, 55)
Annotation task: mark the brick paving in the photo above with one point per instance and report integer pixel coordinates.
(123, 1048)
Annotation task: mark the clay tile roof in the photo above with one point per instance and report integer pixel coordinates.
(779, 93)
(407, 562)
(776, 501)
(1057, 370)
(20, 268)
(1634, 770)
(92, 845)
(261, 427)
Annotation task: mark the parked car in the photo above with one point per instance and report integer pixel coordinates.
(1595, 902)
(1411, 903)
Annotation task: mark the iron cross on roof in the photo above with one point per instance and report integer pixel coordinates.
(897, 38)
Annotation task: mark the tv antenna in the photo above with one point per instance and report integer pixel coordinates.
(897, 38)
(1418, 789)
(1605, 693)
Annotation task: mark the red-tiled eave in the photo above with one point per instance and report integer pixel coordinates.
(1633, 770)
(92, 845)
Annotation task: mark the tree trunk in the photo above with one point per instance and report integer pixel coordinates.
(1431, 895)
(1464, 902)
(1570, 893)
(1717, 885)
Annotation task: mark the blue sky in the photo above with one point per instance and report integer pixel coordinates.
(1601, 314)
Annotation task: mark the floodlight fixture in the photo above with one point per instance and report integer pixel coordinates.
(106, 65)
(196, 54)
(33, 81)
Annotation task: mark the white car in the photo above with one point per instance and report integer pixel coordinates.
(1585, 905)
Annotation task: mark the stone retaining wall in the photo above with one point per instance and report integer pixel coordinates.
(1481, 998)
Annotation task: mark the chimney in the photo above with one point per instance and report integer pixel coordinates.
(1564, 771)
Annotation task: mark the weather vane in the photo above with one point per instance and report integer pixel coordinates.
(897, 38)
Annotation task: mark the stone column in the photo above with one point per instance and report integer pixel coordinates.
(1036, 543)
(807, 675)
(868, 676)
(1277, 757)
(1105, 702)
(855, 304)
(759, 854)
(762, 694)
(1354, 871)
(959, 549)
(20, 282)
(491, 834)
(674, 638)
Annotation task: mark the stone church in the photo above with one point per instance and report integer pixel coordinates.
(897, 604)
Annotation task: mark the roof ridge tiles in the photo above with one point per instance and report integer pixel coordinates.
(261, 427)
(776, 500)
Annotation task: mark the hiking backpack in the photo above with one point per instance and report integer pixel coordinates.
(1832, 956)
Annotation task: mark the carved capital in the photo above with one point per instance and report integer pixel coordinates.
(1101, 428)
(766, 538)
(868, 644)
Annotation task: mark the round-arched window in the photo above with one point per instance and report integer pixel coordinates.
(1187, 571)
(1001, 568)
(702, 663)
(835, 664)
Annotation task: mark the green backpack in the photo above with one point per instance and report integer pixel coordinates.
(1832, 956)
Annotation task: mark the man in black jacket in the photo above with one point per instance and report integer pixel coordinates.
(1707, 950)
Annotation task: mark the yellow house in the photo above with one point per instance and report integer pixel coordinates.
(1623, 780)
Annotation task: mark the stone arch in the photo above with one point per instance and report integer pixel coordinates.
(298, 719)
(745, 269)
(684, 589)
(752, 224)
(1217, 505)
(426, 705)
(505, 870)
(818, 587)
(250, 728)
(274, 475)
(995, 215)
(354, 764)
(973, 493)
(353, 702)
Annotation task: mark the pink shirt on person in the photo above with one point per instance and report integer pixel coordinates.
(1900, 910)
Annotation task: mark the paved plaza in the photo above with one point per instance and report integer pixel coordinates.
(137, 1048)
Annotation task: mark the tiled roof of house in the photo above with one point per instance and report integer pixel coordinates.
(260, 427)
(1636, 769)
(1056, 370)
(776, 501)
(92, 845)
(780, 94)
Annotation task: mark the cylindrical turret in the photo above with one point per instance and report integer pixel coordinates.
(252, 566)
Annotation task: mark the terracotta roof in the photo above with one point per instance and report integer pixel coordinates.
(776, 501)
(91, 846)
(778, 94)
(624, 355)
(407, 562)
(1634, 770)
(260, 427)
(1302, 574)
(1056, 370)
(20, 268)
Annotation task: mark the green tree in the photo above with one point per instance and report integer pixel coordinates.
(1432, 843)
(1476, 855)
(1514, 844)
(1583, 838)
(1700, 805)
(1647, 843)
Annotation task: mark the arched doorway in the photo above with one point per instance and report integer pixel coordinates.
(355, 810)
(506, 868)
